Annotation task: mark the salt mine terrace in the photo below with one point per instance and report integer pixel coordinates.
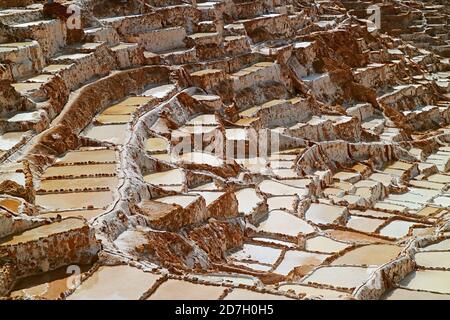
(225, 150)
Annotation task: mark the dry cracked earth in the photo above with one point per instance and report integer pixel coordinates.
(330, 172)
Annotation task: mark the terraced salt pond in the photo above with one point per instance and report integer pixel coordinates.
(370, 255)
(115, 283)
(429, 280)
(173, 289)
(228, 278)
(256, 253)
(49, 285)
(320, 213)
(80, 170)
(81, 156)
(431, 259)
(281, 189)
(243, 294)
(346, 277)
(303, 260)
(282, 222)
(443, 245)
(43, 231)
(310, 291)
(325, 244)
(282, 203)
(396, 229)
(248, 200)
(113, 133)
(406, 294)
(9, 140)
(79, 184)
(364, 224)
(75, 200)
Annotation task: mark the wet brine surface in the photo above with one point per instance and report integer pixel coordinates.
(49, 285)
(177, 289)
(369, 255)
(429, 280)
(76, 200)
(340, 276)
(115, 283)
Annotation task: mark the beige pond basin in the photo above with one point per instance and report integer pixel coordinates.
(415, 195)
(10, 204)
(119, 109)
(369, 255)
(170, 177)
(281, 222)
(353, 237)
(396, 229)
(229, 278)
(203, 120)
(285, 173)
(114, 133)
(173, 289)
(324, 244)
(79, 184)
(429, 280)
(115, 283)
(106, 119)
(181, 200)
(322, 214)
(443, 245)
(244, 294)
(159, 92)
(439, 178)
(17, 177)
(279, 189)
(429, 211)
(392, 207)
(134, 101)
(351, 177)
(364, 224)
(256, 253)
(385, 179)
(80, 170)
(431, 259)
(75, 200)
(406, 294)
(372, 213)
(209, 196)
(87, 214)
(427, 184)
(402, 204)
(346, 277)
(282, 203)
(95, 156)
(193, 130)
(303, 260)
(9, 140)
(272, 241)
(156, 145)
(43, 231)
(49, 285)
(252, 265)
(248, 200)
(201, 158)
(442, 201)
(309, 291)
